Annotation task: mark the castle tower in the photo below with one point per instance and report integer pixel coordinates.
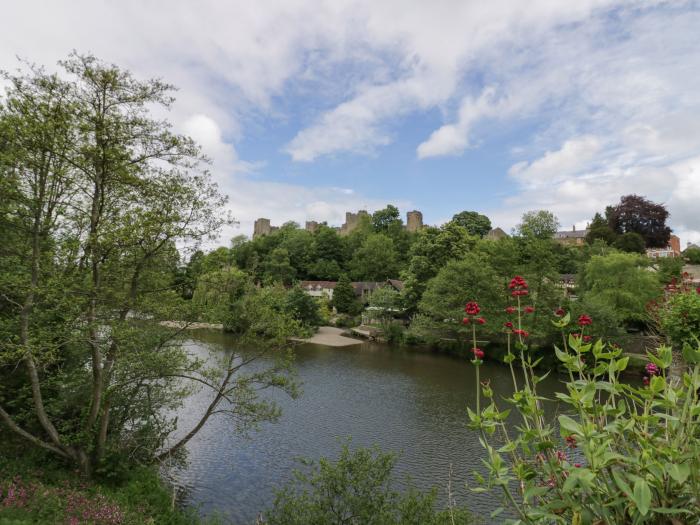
(414, 221)
(261, 227)
(311, 226)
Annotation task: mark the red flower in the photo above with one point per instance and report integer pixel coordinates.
(570, 441)
(472, 308)
(529, 309)
(587, 338)
(517, 282)
(478, 353)
(523, 333)
(645, 381)
(510, 310)
(465, 320)
(516, 293)
(584, 320)
(576, 336)
(698, 289)
(577, 465)
(480, 320)
(508, 325)
(560, 312)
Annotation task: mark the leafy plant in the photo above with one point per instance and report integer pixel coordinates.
(618, 452)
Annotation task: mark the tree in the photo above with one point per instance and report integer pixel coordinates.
(541, 224)
(693, 255)
(303, 308)
(215, 291)
(277, 267)
(383, 220)
(101, 195)
(475, 223)
(623, 282)
(356, 489)
(600, 229)
(344, 298)
(639, 215)
(376, 260)
(385, 304)
(630, 242)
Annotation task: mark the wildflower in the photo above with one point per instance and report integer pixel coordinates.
(480, 320)
(529, 309)
(520, 332)
(478, 353)
(584, 320)
(465, 320)
(472, 308)
(570, 441)
(508, 324)
(577, 465)
(560, 312)
(576, 335)
(510, 310)
(698, 289)
(645, 381)
(652, 369)
(517, 282)
(561, 456)
(587, 338)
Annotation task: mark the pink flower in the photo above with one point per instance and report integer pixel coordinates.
(560, 312)
(465, 320)
(480, 320)
(508, 324)
(510, 310)
(478, 353)
(529, 309)
(584, 320)
(472, 308)
(652, 369)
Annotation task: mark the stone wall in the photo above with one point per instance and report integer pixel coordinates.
(414, 221)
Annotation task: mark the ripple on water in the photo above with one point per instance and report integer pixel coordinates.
(410, 403)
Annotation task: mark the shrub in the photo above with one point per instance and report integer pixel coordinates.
(680, 320)
(620, 453)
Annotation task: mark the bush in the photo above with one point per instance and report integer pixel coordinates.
(680, 320)
(624, 453)
(355, 489)
(693, 255)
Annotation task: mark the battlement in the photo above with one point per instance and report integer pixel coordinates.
(414, 222)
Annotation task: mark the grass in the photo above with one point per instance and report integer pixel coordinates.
(38, 490)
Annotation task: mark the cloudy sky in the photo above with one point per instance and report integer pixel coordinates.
(311, 108)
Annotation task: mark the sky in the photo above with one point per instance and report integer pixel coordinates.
(309, 109)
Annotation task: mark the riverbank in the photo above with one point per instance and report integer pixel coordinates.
(37, 489)
(329, 336)
(186, 325)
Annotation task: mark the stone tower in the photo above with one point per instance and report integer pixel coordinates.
(414, 221)
(311, 226)
(352, 220)
(262, 227)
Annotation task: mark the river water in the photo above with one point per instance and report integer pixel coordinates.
(412, 403)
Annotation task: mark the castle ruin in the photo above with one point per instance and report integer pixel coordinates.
(414, 222)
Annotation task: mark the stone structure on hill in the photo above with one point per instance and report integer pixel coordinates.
(496, 234)
(414, 221)
(352, 221)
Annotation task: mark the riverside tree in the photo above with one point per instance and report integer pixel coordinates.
(98, 194)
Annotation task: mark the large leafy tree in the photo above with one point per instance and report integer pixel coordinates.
(376, 260)
(600, 229)
(474, 222)
(383, 220)
(344, 298)
(100, 193)
(539, 224)
(639, 215)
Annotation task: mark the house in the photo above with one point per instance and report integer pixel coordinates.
(673, 249)
(363, 289)
(571, 237)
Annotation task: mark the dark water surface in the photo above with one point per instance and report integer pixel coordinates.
(412, 403)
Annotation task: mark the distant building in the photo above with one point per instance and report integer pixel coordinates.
(414, 221)
(496, 234)
(691, 246)
(571, 237)
(363, 289)
(352, 221)
(673, 249)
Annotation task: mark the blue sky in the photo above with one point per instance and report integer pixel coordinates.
(309, 109)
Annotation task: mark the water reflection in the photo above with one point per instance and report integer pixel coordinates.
(412, 403)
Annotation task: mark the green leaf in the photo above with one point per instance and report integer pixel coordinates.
(678, 472)
(641, 495)
(570, 426)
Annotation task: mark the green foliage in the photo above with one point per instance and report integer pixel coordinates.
(670, 269)
(383, 220)
(355, 489)
(622, 281)
(630, 242)
(475, 223)
(375, 260)
(599, 229)
(277, 268)
(303, 308)
(619, 453)
(680, 319)
(215, 291)
(540, 224)
(344, 299)
(692, 255)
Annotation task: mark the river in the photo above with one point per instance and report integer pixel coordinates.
(410, 402)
